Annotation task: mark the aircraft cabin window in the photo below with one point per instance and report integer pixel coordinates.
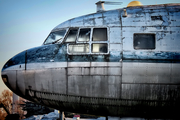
(99, 34)
(84, 35)
(71, 37)
(78, 48)
(144, 41)
(55, 37)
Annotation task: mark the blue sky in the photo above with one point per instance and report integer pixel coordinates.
(26, 23)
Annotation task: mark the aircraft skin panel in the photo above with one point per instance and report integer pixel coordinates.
(138, 73)
(150, 81)
(48, 65)
(150, 92)
(21, 82)
(109, 18)
(94, 86)
(166, 37)
(153, 73)
(130, 77)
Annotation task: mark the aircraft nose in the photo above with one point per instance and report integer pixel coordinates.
(9, 70)
(15, 62)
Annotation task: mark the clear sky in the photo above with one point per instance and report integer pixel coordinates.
(26, 23)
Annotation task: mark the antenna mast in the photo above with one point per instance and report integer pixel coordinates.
(100, 5)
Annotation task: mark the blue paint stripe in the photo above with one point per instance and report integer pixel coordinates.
(58, 53)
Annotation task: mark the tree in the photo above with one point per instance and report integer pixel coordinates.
(18, 108)
(6, 100)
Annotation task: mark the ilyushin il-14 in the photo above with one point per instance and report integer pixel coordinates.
(122, 62)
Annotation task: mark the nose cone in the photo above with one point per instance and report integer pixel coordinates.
(15, 61)
(9, 70)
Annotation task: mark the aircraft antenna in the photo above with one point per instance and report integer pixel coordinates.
(100, 4)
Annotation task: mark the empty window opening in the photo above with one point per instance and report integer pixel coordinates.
(144, 41)
(55, 37)
(84, 35)
(71, 37)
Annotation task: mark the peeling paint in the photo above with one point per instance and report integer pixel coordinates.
(123, 81)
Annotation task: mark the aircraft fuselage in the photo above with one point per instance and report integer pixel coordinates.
(106, 64)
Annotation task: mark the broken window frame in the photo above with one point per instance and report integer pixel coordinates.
(90, 42)
(54, 42)
(152, 48)
(80, 32)
(67, 35)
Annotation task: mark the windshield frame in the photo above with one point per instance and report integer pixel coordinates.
(56, 42)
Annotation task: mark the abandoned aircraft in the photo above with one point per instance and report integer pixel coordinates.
(123, 62)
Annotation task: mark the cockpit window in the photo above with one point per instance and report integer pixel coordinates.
(55, 37)
(78, 48)
(84, 35)
(71, 37)
(99, 34)
(89, 41)
(99, 48)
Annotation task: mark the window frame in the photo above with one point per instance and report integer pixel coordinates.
(67, 33)
(79, 33)
(90, 42)
(145, 34)
(62, 40)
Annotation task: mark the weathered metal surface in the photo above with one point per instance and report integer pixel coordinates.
(121, 81)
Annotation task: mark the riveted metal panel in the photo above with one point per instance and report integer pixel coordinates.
(79, 85)
(20, 85)
(157, 17)
(44, 75)
(148, 73)
(115, 48)
(89, 20)
(79, 64)
(114, 86)
(105, 70)
(175, 76)
(98, 70)
(115, 35)
(58, 80)
(108, 18)
(74, 71)
(150, 92)
(135, 17)
(52, 79)
(151, 74)
(30, 82)
(77, 22)
(174, 16)
(94, 86)
(46, 65)
(79, 71)
(114, 70)
(98, 19)
(111, 18)
(102, 86)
